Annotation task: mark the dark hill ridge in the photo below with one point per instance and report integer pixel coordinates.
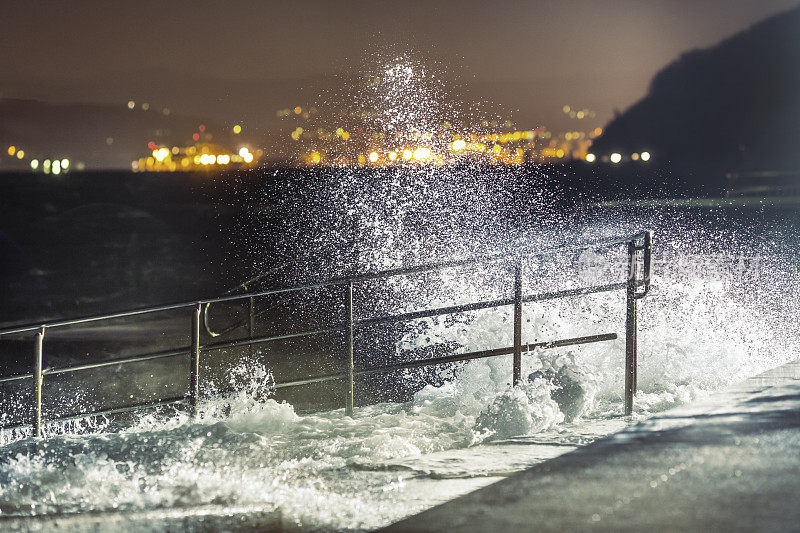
(733, 107)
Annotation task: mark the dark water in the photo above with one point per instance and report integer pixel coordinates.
(88, 243)
(722, 307)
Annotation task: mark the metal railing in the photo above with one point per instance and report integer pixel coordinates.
(635, 287)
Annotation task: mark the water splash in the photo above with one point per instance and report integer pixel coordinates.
(700, 330)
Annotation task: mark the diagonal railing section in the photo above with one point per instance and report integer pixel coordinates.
(636, 285)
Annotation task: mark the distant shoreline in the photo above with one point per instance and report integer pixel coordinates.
(770, 201)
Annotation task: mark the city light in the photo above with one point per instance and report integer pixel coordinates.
(407, 154)
(315, 158)
(373, 157)
(223, 159)
(615, 158)
(458, 145)
(20, 154)
(56, 167)
(131, 104)
(645, 156)
(423, 153)
(590, 158)
(12, 150)
(243, 151)
(635, 156)
(392, 155)
(160, 154)
(237, 129)
(34, 164)
(248, 157)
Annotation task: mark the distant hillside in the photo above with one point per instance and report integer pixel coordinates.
(100, 136)
(730, 108)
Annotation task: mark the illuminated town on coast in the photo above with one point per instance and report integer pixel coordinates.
(311, 138)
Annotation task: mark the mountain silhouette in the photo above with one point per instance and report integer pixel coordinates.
(730, 108)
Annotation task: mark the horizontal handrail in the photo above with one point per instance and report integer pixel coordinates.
(126, 360)
(110, 411)
(426, 313)
(481, 354)
(430, 267)
(100, 364)
(455, 358)
(245, 284)
(260, 340)
(414, 315)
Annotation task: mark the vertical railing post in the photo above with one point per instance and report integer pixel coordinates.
(348, 303)
(630, 330)
(37, 384)
(517, 323)
(251, 327)
(647, 259)
(194, 369)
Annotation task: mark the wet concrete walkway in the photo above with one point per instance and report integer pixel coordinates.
(727, 463)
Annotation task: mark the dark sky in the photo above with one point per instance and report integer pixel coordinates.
(225, 57)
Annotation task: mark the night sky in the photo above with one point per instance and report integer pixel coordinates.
(219, 59)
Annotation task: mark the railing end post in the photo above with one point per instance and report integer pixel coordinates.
(37, 383)
(630, 330)
(349, 391)
(518, 295)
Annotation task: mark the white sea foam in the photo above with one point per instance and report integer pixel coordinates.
(330, 471)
